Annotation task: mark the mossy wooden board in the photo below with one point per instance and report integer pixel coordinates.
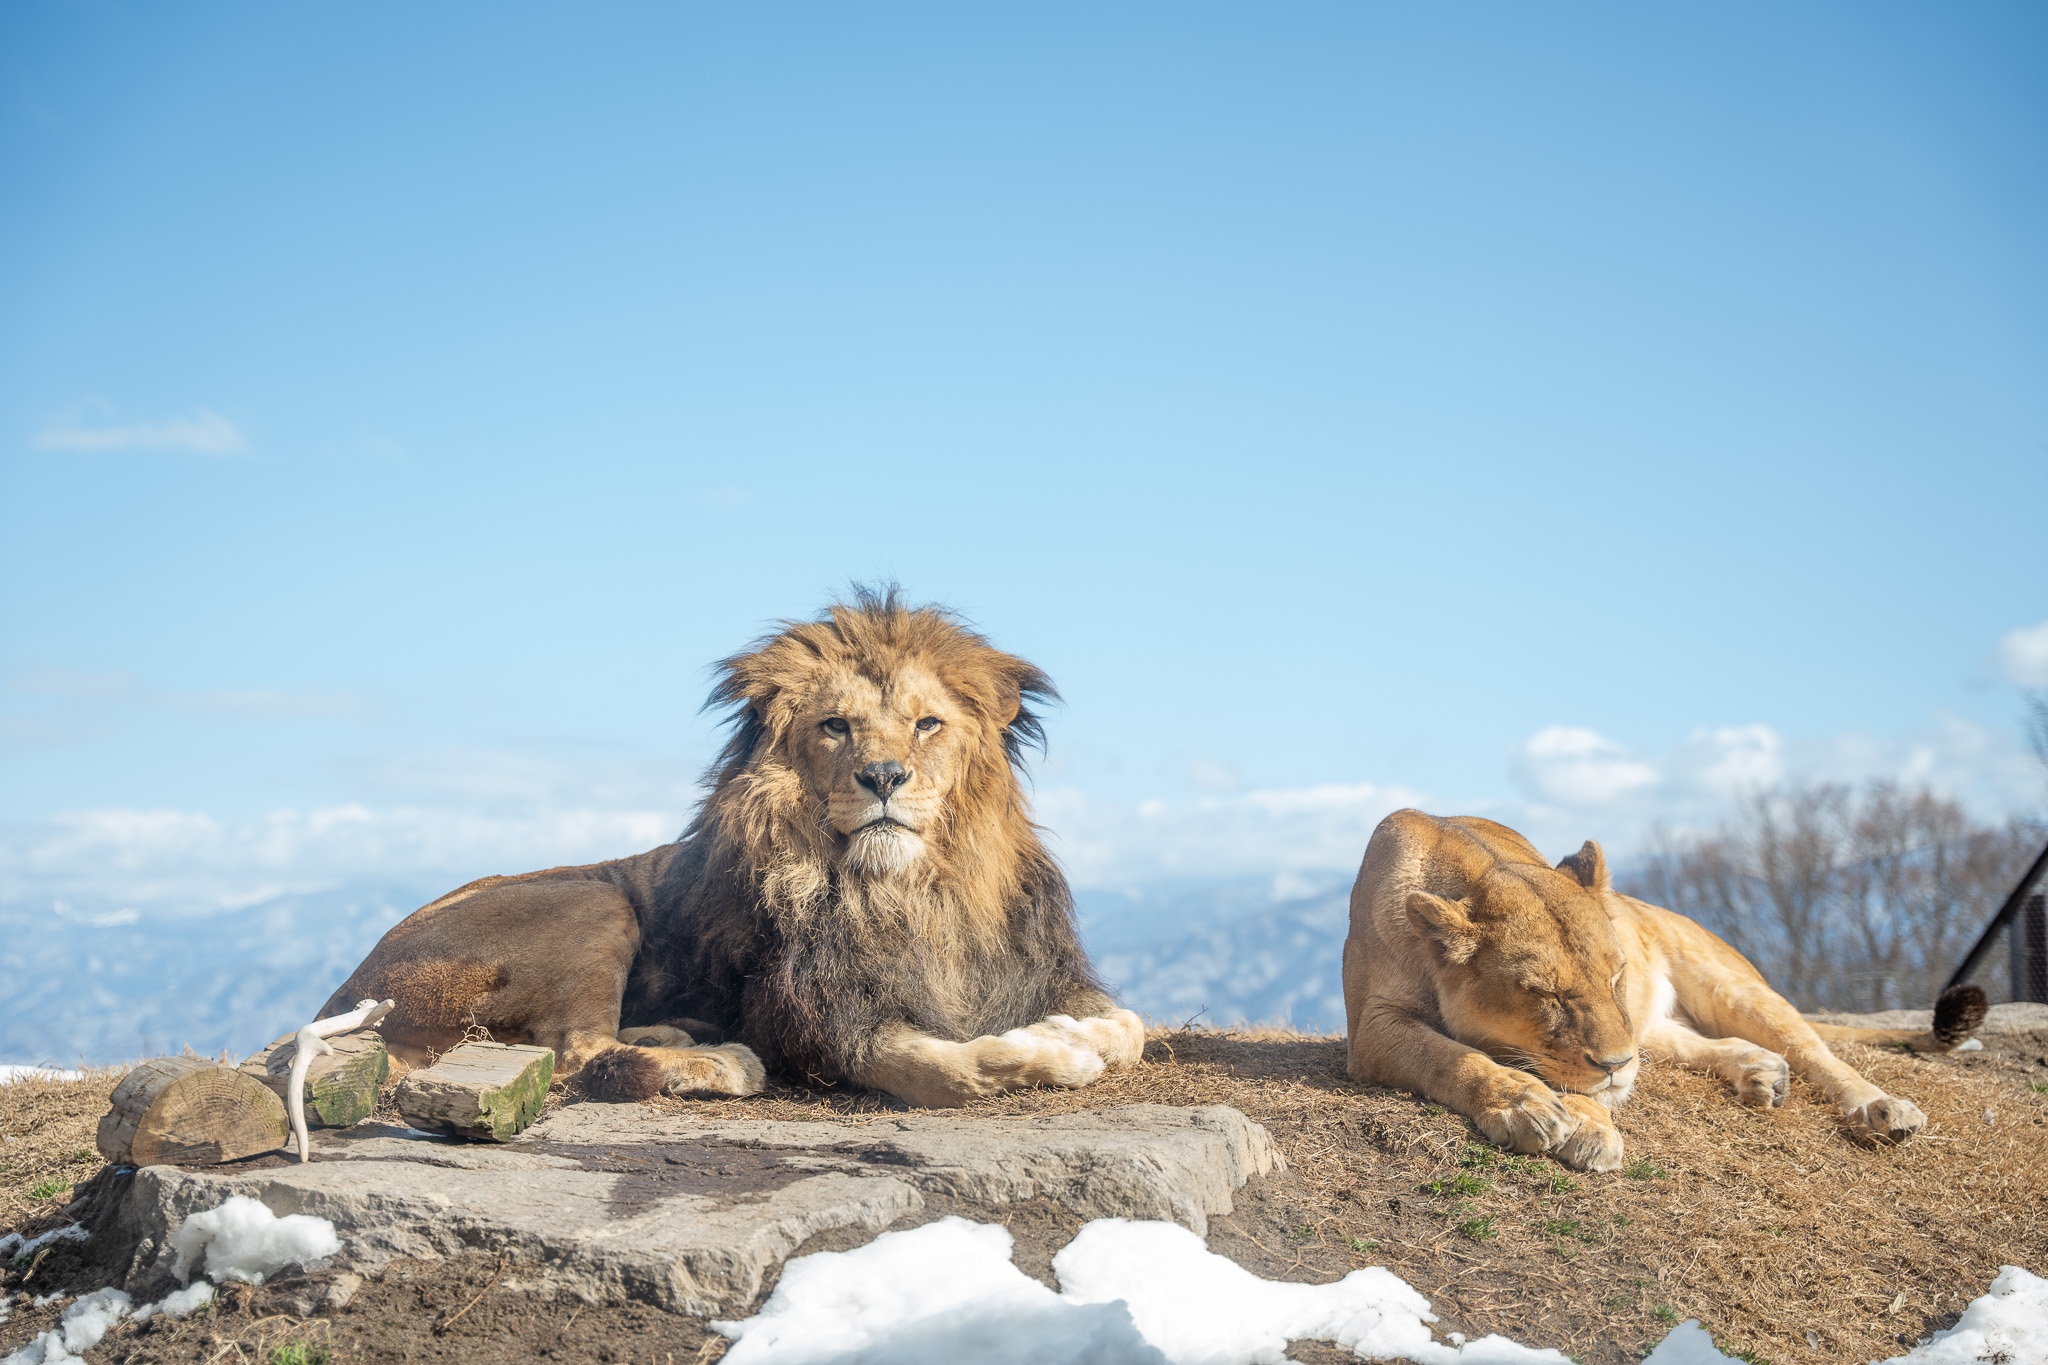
(490, 1091)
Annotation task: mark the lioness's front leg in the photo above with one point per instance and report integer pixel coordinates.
(1513, 1108)
(1059, 1050)
(1759, 1075)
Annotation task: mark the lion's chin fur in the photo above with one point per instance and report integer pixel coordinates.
(883, 850)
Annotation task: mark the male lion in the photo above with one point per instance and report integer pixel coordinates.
(1478, 975)
(861, 897)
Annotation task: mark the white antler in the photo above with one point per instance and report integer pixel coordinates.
(312, 1042)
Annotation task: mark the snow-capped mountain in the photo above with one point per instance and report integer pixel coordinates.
(101, 985)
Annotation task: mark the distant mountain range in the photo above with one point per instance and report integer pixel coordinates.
(102, 986)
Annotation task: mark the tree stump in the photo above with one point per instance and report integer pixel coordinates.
(341, 1089)
(490, 1091)
(188, 1111)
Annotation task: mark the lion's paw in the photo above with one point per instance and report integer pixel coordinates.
(1117, 1037)
(1043, 1054)
(728, 1069)
(1762, 1079)
(1889, 1118)
(1533, 1120)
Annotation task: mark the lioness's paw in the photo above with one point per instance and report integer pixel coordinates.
(1761, 1079)
(1595, 1145)
(1889, 1118)
(1533, 1120)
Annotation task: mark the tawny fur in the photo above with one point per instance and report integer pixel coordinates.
(1524, 996)
(916, 938)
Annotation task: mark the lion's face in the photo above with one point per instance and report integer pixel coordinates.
(1539, 981)
(880, 740)
(882, 756)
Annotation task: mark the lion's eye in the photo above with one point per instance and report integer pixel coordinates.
(836, 725)
(927, 725)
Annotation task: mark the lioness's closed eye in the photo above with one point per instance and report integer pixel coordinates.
(1523, 995)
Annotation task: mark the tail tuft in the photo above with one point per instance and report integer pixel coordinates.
(621, 1075)
(1958, 1013)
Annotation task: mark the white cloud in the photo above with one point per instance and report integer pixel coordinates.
(1293, 830)
(1574, 766)
(2023, 655)
(203, 433)
(188, 861)
(1731, 760)
(431, 821)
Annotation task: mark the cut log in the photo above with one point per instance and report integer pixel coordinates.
(339, 1090)
(188, 1111)
(479, 1090)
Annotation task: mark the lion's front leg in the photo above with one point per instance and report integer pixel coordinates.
(1059, 1050)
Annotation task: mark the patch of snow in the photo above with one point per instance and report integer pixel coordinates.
(243, 1240)
(86, 1323)
(1970, 1045)
(2008, 1323)
(1199, 1308)
(15, 1071)
(942, 1293)
(15, 1246)
(1132, 1293)
(80, 1329)
(178, 1303)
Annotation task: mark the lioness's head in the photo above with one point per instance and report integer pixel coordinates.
(882, 733)
(1533, 974)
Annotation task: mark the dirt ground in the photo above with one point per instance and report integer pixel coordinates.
(1790, 1240)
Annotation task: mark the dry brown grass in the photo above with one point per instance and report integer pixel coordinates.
(46, 1142)
(1764, 1224)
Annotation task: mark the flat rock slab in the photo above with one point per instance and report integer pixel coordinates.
(2011, 1018)
(611, 1201)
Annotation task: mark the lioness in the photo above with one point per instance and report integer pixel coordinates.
(1522, 996)
(861, 897)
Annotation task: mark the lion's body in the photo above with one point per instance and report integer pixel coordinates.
(1473, 968)
(862, 897)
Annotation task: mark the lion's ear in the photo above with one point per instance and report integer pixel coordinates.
(1445, 924)
(1588, 867)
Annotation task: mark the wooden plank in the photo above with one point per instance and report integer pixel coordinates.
(188, 1111)
(490, 1091)
(341, 1089)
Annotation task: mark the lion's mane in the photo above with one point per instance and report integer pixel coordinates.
(761, 931)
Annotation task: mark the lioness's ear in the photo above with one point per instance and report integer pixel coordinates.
(1588, 867)
(1445, 924)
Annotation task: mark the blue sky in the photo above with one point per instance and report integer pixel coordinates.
(1578, 415)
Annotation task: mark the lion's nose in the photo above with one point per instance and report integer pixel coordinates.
(884, 777)
(1611, 1064)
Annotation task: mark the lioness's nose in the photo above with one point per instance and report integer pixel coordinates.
(1611, 1064)
(884, 777)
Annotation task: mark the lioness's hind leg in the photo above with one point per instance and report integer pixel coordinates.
(623, 1074)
